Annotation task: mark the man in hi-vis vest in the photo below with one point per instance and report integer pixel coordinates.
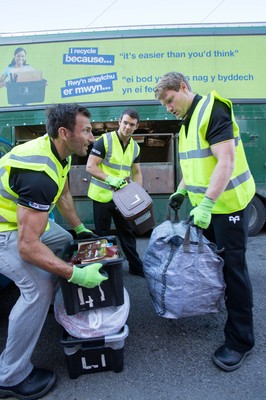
(33, 179)
(114, 157)
(220, 187)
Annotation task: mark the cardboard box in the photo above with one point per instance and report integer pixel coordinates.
(27, 76)
(109, 293)
(86, 356)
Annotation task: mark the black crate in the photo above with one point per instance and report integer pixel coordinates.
(109, 293)
(26, 92)
(86, 356)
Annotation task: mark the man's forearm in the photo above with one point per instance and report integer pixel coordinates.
(219, 180)
(138, 179)
(67, 209)
(182, 184)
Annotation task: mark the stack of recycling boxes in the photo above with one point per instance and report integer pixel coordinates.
(106, 353)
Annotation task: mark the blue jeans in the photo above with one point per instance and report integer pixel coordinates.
(28, 315)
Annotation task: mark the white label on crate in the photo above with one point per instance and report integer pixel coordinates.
(102, 293)
(85, 366)
(103, 360)
(143, 218)
(89, 300)
(94, 366)
(81, 297)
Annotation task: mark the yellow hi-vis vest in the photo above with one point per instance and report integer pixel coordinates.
(34, 155)
(116, 163)
(197, 161)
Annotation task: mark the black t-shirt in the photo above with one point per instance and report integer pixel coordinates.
(35, 189)
(220, 126)
(99, 149)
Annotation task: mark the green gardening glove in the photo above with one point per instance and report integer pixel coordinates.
(176, 199)
(83, 233)
(116, 182)
(202, 213)
(88, 276)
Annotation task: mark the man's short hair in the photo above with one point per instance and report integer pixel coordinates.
(63, 115)
(131, 113)
(170, 81)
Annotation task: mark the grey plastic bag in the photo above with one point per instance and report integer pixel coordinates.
(183, 271)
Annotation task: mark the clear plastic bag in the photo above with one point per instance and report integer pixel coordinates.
(93, 323)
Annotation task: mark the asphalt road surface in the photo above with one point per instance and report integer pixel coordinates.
(163, 359)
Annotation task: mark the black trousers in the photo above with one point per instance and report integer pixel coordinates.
(230, 231)
(103, 215)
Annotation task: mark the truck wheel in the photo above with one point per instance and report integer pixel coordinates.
(257, 216)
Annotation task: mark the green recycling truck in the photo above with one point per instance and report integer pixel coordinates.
(109, 69)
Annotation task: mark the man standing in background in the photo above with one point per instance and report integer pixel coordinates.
(115, 156)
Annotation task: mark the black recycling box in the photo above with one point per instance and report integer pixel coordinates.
(108, 293)
(136, 206)
(26, 92)
(86, 356)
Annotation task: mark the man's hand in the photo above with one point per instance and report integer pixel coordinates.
(88, 276)
(176, 199)
(83, 233)
(115, 182)
(202, 213)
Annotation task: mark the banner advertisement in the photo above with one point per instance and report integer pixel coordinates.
(128, 69)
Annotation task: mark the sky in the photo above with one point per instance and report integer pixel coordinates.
(32, 15)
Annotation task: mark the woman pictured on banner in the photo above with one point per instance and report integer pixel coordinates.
(18, 64)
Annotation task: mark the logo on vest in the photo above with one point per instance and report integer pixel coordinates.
(96, 151)
(234, 219)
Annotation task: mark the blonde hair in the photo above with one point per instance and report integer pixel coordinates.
(170, 81)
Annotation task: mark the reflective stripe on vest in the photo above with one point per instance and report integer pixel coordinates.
(116, 163)
(35, 155)
(34, 160)
(109, 153)
(200, 153)
(197, 161)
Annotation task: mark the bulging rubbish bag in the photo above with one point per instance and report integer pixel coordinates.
(92, 323)
(183, 271)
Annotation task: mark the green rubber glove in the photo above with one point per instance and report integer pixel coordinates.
(88, 276)
(176, 199)
(84, 233)
(116, 182)
(202, 213)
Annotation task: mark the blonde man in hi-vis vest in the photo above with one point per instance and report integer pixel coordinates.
(220, 187)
